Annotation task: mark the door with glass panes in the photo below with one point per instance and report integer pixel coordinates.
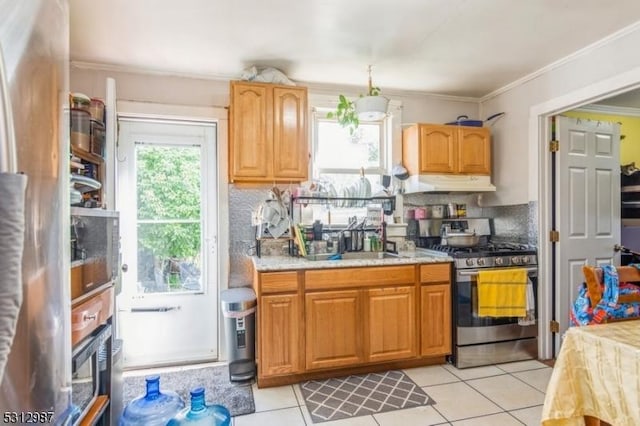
(167, 311)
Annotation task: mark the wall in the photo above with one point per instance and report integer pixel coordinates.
(629, 127)
(181, 91)
(515, 147)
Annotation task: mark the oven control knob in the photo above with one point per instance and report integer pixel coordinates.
(499, 261)
(469, 262)
(481, 262)
(525, 259)
(515, 260)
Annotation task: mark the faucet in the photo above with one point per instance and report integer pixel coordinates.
(342, 239)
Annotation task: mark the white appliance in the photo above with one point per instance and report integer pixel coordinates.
(34, 38)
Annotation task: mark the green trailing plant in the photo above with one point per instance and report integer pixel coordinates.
(345, 112)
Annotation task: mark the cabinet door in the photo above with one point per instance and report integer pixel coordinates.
(279, 335)
(334, 329)
(290, 146)
(250, 132)
(437, 149)
(391, 323)
(474, 150)
(435, 319)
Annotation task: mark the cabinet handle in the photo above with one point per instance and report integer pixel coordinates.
(125, 267)
(90, 317)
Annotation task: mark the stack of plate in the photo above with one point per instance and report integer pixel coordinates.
(360, 189)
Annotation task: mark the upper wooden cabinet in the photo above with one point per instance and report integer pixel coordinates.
(442, 149)
(268, 133)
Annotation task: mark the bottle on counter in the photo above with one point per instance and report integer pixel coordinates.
(201, 414)
(153, 408)
(317, 230)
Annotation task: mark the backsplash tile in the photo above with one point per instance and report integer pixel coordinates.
(242, 243)
(242, 202)
(516, 222)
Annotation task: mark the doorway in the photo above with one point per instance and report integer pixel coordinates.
(540, 125)
(168, 308)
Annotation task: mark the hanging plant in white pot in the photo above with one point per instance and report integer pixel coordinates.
(369, 107)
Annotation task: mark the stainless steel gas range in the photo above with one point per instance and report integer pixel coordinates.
(485, 340)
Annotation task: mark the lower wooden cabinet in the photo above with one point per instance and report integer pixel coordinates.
(391, 323)
(435, 319)
(279, 340)
(333, 329)
(311, 322)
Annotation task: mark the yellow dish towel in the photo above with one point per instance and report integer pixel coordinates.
(502, 292)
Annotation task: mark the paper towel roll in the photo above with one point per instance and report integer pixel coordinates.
(12, 222)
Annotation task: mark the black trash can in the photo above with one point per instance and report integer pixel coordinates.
(239, 312)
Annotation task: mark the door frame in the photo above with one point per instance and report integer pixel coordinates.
(219, 116)
(539, 132)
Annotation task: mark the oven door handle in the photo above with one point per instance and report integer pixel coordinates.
(474, 273)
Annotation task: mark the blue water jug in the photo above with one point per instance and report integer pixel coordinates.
(201, 414)
(153, 408)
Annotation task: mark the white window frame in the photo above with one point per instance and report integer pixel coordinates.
(319, 115)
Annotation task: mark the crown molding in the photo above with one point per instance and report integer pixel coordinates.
(567, 59)
(610, 109)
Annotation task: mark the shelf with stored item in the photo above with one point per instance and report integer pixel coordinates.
(446, 149)
(268, 139)
(87, 174)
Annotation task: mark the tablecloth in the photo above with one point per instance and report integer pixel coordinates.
(597, 373)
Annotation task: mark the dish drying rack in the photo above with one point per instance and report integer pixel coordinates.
(387, 206)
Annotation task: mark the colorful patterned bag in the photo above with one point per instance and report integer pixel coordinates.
(582, 313)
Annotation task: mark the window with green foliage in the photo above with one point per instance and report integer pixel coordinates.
(169, 217)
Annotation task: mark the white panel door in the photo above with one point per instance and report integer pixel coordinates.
(587, 204)
(168, 309)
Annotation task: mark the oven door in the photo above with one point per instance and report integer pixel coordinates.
(472, 328)
(85, 371)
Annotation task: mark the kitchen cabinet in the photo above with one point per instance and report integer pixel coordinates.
(268, 140)
(315, 323)
(333, 329)
(391, 323)
(279, 353)
(435, 309)
(444, 149)
(279, 339)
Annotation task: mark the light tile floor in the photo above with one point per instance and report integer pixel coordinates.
(504, 394)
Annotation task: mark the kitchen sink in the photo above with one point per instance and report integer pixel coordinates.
(353, 255)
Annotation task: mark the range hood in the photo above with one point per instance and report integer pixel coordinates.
(448, 183)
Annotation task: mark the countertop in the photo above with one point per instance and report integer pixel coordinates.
(281, 263)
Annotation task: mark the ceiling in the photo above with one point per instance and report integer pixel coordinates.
(451, 47)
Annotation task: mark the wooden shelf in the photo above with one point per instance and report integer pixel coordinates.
(86, 155)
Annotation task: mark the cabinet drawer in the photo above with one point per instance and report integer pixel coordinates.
(437, 273)
(87, 316)
(88, 275)
(323, 279)
(278, 282)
